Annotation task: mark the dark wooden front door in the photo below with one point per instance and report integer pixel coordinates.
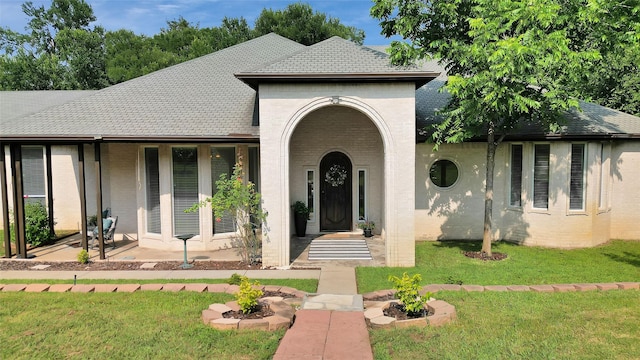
(335, 192)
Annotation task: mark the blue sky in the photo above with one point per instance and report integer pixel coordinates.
(149, 16)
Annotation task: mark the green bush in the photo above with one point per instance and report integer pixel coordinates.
(83, 256)
(37, 229)
(408, 292)
(247, 297)
(236, 279)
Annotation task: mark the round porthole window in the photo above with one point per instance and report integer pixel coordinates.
(443, 173)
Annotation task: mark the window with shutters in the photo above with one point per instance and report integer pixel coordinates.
(576, 182)
(33, 178)
(185, 190)
(515, 197)
(152, 180)
(541, 176)
(223, 159)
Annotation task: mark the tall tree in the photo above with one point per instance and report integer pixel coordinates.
(59, 50)
(509, 63)
(300, 23)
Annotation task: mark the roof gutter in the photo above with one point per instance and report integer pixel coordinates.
(60, 139)
(420, 78)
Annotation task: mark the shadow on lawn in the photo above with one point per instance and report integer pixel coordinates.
(463, 245)
(629, 258)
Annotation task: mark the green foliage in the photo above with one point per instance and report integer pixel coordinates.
(37, 229)
(243, 204)
(83, 256)
(248, 295)
(408, 292)
(300, 23)
(236, 279)
(301, 208)
(367, 224)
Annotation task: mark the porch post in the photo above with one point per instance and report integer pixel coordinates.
(5, 204)
(16, 170)
(49, 188)
(83, 197)
(99, 199)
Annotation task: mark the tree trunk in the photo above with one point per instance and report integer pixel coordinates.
(488, 194)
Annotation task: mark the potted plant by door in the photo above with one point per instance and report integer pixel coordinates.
(300, 215)
(367, 227)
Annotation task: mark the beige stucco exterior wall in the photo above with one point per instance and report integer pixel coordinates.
(457, 212)
(391, 107)
(625, 195)
(346, 130)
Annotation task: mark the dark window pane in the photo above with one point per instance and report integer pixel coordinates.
(185, 190)
(576, 187)
(152, 174)
(541, 176)
(223, 159)
(516, 175)
(443, 173)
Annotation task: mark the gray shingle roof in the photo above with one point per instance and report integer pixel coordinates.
(592, 121)
(15, 104)
(196, 99)
(334, 59)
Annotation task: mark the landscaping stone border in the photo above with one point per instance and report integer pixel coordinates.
(442, 313)
(284, 310)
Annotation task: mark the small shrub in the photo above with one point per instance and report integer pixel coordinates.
(408, 292)
(247, 297)
(236, 279)
(37, 229)
(83, 256)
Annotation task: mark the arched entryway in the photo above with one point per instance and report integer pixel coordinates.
(335, 192)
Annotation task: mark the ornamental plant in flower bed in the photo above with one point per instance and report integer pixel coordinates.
(408, 292)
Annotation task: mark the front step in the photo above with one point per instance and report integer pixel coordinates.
(321, 249)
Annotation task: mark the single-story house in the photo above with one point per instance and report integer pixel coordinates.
(333, 125)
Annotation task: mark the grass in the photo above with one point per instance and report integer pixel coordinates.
(524, 325)
(307, 285)
(442, 262)
(140, 325)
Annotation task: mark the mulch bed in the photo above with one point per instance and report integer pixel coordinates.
(261, 311)
(480, 255)
(123, 265)
(397, 311)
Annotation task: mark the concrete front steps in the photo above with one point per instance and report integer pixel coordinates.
(325, 334)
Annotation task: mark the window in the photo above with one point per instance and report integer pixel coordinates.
(152, 179)
(223, 159)
(310, 192)
(362, 191)
(33, 180)
(443, 173)
(576, 183)
(185, 190)
(254, 167)
(516, 176)
(541, 176)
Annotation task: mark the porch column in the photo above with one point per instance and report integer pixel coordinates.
(83, 197)
(18, 202)
(5, 204)
(98, 169)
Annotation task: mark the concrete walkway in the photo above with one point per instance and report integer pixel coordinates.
(331, 324)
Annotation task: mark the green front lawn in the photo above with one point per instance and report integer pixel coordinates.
(524, 325)
(140, 325)
(442, 262)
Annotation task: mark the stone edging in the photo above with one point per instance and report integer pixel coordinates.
(284, 310)
(443, 313)
(535, 288)
(170, 287)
